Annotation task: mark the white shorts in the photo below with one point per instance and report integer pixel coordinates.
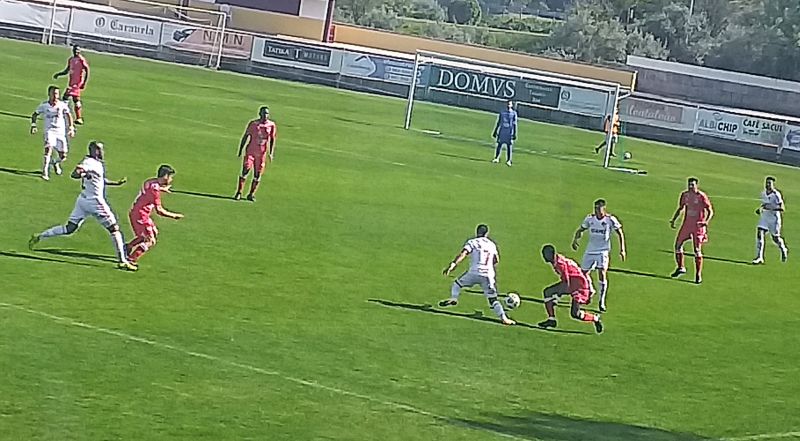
(595, 261)
(771, 224)
(97, 208)
(487, 283)
(56, 140)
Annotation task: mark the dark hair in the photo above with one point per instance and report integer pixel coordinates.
(482, 230)
(262, 109)
(165, 170)
(548, 249)
(50, 89)
(771, 178)
(95, 145)
(690, 180)
(601, 202)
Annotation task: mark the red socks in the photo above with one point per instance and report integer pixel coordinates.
(241, 184)
(254, 187)
(698, 264)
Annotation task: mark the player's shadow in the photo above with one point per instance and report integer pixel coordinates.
(77, 254)
(14, 115)
(18, 172)
(715, 259)
(23, 256)
(203, 195)
(646, 274)
(353, 121)
(552, 427)
(468, 158)
(563, 302)
(477, 315)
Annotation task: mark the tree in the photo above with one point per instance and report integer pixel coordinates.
(354, 11)
(687, 36)
(464, 11)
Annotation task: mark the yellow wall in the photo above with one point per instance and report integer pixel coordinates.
(271, 23)
(409, 44)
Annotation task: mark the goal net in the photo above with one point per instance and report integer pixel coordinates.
(537, 95)
(136, 27)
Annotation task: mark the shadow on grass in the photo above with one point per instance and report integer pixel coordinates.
(77, 254)
(564, 301)
(14, 115)
(551, 427)
(715, 259)
(354, 121)
(468, 158)
(651, 275)
(14, 171)
(203, 195)
(24, 256)
(477, 315)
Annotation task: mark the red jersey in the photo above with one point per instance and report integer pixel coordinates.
(695, 205)
(568, 270)
(149, 197)
(77, 68)
(260, 134)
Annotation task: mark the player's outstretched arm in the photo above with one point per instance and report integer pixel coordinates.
(577, 237)
(34, 116)
(78, 173)
(61, 73)
(166, 213)
(623, 253)
(455, 263)
(243, 142)
(116, 183)
(675, 216)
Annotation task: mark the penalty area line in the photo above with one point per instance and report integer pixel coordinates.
(246, 367)
(764, 436)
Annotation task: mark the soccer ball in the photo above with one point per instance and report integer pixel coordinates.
(513, 300)
(627, 156)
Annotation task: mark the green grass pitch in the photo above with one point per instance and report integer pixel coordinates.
(299, 317)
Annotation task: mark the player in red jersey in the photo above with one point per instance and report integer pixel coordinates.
(573, 283)
(78, 69)
(149, 199)
(698, 213)
(261, 133)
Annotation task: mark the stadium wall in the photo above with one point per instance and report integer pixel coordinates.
(745, 133)
(716, 87)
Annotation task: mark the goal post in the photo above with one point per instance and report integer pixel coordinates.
(539, 95)
(176, 24)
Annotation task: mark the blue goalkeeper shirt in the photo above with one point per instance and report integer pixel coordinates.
(506, 128)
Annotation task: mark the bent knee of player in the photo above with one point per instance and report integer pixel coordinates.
(113, 228)
(575, 312)
(491, 300)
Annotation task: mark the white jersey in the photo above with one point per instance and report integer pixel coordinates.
(600, 232)
(55, 116)
(771, 201)
(482, 253)
(94, 181)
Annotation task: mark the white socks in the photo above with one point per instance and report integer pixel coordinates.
(603, 292)
(455, 290)
(46, 164)
(119, 246)
(58, 230)
(498, 309)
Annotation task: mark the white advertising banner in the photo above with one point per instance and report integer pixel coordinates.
(33, 15)
(377, 67)
(117, 27)
(289, 53)
(583, 101)
(762, 131)
(203, 40)
(791, 138)
(657, 114)
(718, 124)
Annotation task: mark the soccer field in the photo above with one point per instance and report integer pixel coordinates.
(301, 317)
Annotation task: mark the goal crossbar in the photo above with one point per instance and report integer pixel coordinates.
(553, 77)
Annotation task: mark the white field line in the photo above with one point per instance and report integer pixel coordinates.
(764, 436)
(246, 367)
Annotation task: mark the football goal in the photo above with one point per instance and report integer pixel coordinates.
(537, 95)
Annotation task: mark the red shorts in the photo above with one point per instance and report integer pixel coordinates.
(579, 290)
(143, 226)
(256, 162)
(74, 90)
(698, 235)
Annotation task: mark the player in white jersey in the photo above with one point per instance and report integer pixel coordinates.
(91, 202)
(771, 211)
(483, 256)
(600, 225)
(57, 126)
